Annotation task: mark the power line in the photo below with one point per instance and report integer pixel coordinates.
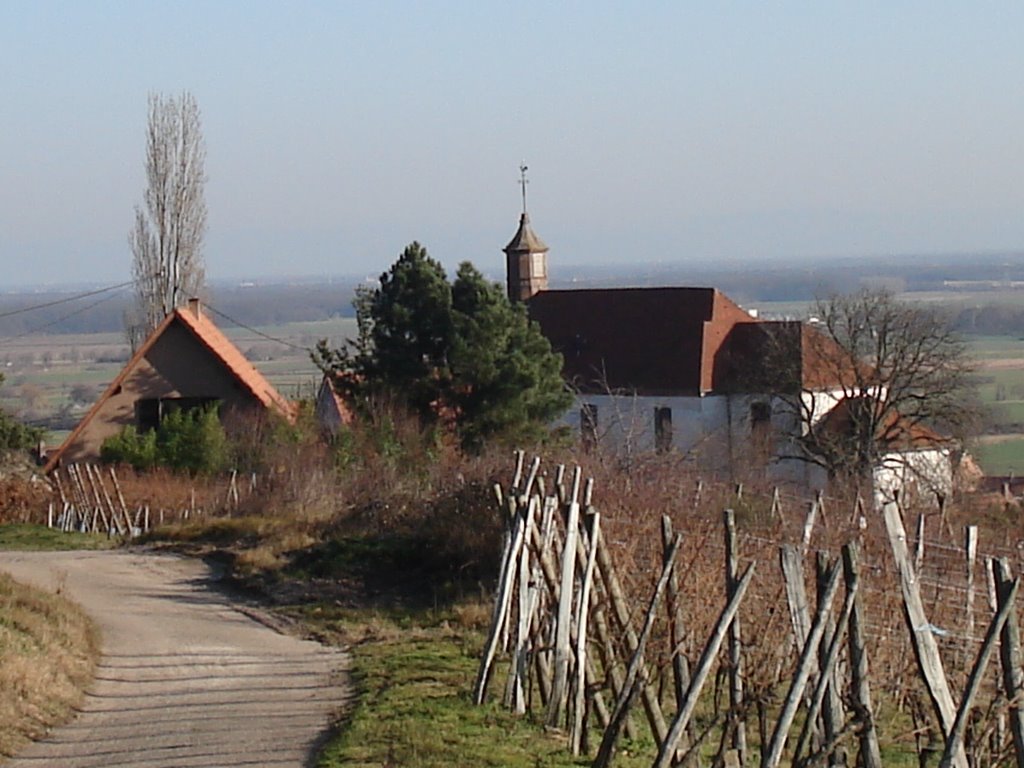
(59, 320)
(257, 332)
(65, 300)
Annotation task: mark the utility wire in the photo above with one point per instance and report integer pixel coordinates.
(68, 316)
(257, 332)
(66, 300)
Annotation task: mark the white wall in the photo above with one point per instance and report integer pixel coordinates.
(715, 431)
(915, 475)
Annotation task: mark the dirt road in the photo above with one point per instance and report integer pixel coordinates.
(186, 679)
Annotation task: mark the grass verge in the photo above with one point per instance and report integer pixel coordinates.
(413, 678)
(48, 652)
(26, 536)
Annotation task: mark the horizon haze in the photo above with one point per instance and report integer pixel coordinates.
(657, 132)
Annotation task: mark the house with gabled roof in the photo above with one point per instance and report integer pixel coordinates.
(186, 362)
(688, 370)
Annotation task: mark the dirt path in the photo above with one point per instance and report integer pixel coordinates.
(186, 679)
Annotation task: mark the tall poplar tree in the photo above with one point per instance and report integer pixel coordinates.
(167, 238)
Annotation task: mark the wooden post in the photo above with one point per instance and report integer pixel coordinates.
(826, 684)
(796, 593)
(667, 752)
(773, 755)
(1010, 657)
(621, 612)
(559, 686)
(515, 694)
(60, 486)
(576, 733)
(501, 610)
(680, 673)
(870, 755)
(954, 741)
(739, 734)
(832, 710)
(812, 515)
(970, 555)
(96, 494)
(923, 641)
(635, 671)
(919, 544)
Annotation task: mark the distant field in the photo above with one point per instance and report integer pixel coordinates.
(50, 374)
(43, 372)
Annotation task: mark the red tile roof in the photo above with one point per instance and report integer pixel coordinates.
(210, 336)
(243, 371)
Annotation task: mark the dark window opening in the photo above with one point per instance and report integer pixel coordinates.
(150, 412)
(662, 429)
(588, 425)
(760, 417)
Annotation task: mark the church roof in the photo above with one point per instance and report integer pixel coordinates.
(650, 341)
(525, 239)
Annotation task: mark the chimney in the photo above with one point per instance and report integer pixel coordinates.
(195, 309)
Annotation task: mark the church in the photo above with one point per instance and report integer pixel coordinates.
(687, 370)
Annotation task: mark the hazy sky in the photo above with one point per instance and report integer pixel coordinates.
(339, 131)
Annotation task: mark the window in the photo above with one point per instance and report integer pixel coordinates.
(760, 417)
(662, 429)
(588, 425)
(150, 412)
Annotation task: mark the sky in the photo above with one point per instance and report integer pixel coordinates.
(675, 132)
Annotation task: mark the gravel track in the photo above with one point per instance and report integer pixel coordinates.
(186, 679)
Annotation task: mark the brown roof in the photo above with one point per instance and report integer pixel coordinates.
(786, 356)
(651, 341)
(210, 336)
(893, 430)
(244, 371)
(525, 239)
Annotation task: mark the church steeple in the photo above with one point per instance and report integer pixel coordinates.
(525, 255)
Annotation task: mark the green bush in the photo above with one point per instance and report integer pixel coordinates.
(190, 441)
(130, 447)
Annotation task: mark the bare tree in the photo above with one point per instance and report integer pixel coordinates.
(871, 374)
(167, 238)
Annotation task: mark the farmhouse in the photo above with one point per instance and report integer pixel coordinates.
(187, 362)
(688, 370)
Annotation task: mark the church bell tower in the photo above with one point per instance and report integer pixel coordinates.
(526, 256)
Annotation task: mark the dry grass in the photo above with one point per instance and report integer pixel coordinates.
(48, 652)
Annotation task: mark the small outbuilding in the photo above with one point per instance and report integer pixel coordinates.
(186, 363)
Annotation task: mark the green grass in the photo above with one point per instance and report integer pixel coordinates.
(413, 709)
(25, 536)
(1001, 458)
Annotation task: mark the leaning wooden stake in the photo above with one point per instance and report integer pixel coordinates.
(563, 651)
(667, 752)
(501, 609)
(576, 732)
(773, 755)
(1010, 657)
(870, 755)
(796, 592)
(621, 611)
(926, 650)
(970, 557)
(954, 741)
(825, 682)
(634, 675)
(739, 733)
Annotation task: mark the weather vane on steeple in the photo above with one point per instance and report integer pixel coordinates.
(523, 182)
